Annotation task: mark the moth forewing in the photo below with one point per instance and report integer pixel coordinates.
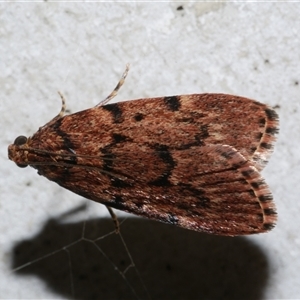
(189, 160)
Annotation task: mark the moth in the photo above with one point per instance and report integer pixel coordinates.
(189, 160)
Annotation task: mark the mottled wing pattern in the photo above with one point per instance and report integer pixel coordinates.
(191, 160)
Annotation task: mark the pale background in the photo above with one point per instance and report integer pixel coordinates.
(80, 49)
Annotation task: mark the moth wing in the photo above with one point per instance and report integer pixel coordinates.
(222, 193)
(200, 119)
(168, 159)
(177, 122)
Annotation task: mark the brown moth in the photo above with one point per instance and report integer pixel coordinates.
(188, 160)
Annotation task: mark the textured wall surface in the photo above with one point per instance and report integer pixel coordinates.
(81, 49)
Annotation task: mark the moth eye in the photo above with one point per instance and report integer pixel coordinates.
(20, 140)
(21, 166)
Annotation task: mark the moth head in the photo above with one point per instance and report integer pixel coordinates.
(16, 151)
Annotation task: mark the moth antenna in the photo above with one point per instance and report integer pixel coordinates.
(116, 89)
(63, 106)
(61, 113)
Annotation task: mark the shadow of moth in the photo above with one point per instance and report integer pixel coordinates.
(188, 160)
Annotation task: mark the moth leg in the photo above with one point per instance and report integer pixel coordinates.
(115, 219)
(116, 89)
